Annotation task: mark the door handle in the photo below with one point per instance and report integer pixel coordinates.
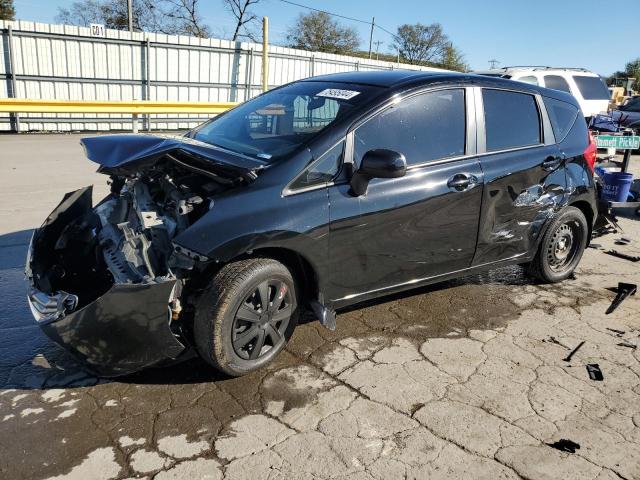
(462, 181)
(551, 163)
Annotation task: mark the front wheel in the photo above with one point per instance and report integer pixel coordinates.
(561, 247)
(246, 315)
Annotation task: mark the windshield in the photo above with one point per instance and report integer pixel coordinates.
(632, 105)
(280, 121)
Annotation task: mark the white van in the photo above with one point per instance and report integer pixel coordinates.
(587, 87)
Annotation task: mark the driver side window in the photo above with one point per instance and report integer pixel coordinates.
(322, 170)
(426, 127)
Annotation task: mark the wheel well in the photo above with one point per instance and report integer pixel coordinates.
(587, 211)
(302, 271)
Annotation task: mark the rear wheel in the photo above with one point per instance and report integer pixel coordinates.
(246, 316)
(561, 247)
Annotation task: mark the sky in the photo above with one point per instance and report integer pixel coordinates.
(561, 33)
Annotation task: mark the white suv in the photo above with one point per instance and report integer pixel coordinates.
(587, 87)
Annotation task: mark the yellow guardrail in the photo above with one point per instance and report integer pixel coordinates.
(135, 107)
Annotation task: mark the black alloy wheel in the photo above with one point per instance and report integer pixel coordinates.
(262, 320)
(246, 315)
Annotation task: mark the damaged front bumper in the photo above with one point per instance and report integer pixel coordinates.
(114, 328)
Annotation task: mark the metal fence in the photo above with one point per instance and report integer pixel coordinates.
(62, 62)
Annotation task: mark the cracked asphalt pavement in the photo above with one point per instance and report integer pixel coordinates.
(464, 379)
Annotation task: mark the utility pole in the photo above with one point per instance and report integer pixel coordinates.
(134, 117)
(373, 24)
(493, 62)
(378, 43)
(265, 54)
(130, 13)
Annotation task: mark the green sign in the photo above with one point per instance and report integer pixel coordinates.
(619, 142)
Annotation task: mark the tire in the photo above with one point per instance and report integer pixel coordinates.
(561, 247)
(230, 321)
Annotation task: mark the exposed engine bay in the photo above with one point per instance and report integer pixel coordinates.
(85, 262)
(130, 233)
(145, 213)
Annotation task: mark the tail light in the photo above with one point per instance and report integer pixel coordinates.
(591, 152)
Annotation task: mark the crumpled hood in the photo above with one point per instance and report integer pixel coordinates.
(122, 152)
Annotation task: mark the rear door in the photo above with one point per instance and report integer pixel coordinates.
(421, 225)
(524, 175)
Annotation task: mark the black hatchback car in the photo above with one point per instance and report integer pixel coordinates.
(318, 194)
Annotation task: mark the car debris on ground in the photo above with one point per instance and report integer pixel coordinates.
(565, 445)
(624, 290)
(625, 256)
(594, 372)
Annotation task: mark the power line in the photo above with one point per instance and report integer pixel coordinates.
(387, 31)
(339, 16)
(324, 11)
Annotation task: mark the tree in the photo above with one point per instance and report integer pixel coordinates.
(243, 16)
(632, 69)
(183, 17)
(82, 13)
(453, 59)
(172, 17)
(318, 32)
(7, 12)
(421, 43)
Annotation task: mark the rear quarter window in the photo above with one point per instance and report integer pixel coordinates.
(562, 116)
(556, 82)
(511, 120)
(592, 88)
(528, 79)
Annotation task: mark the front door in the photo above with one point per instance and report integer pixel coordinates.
(422, 225)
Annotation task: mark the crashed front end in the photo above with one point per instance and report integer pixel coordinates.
(107, 282)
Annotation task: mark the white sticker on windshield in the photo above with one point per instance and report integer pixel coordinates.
(337, 93)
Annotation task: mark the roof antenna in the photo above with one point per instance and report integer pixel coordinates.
(493, 62)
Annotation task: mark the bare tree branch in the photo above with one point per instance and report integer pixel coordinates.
(185, 13)
(172, 17)
(240, 9)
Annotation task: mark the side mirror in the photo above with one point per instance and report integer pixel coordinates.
(377, 164)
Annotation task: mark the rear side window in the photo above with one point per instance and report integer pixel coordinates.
(528, 79)
(592, 88)
(429, 126)
(562, 115)
(511, 120)
(556, 82)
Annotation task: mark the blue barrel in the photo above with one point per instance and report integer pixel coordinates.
(616, 186)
